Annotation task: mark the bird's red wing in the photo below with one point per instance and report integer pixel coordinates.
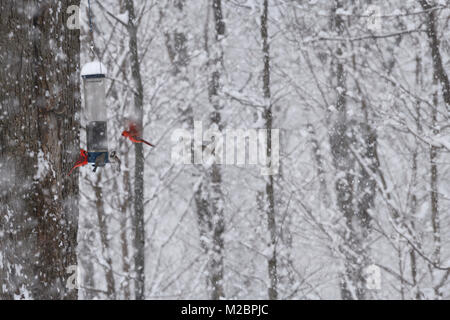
(133, 129)
(82, 160)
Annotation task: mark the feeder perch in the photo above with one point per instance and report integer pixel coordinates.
(93, 74)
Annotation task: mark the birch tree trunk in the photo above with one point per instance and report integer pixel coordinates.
(39, 142)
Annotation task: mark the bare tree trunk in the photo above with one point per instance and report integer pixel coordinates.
(269, 194)
(440, 75)
(210, 228)
(176, 43)
(412, 253)
(209, 198)
(400, 271)
(342, 163)
(39, 97)
(434, 190)
(216, 196)
(101, 216)
(138, 221)
(433, 40)
(414, 167)
(319, 164)
(123, 230)
(85, 261)
(434, 195)
(366, 192)
(352, 282)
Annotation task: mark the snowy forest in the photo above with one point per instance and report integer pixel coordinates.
(349, 197)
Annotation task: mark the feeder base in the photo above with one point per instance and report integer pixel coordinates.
(92, 157)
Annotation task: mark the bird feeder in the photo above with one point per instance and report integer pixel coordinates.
(93, 74)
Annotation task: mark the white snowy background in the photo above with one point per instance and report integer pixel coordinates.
(390, 87)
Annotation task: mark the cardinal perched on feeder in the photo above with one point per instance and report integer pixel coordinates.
(134, 135)
(82, 160)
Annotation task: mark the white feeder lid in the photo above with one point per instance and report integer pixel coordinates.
(93, 68)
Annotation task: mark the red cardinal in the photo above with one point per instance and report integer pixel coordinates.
(82, 160)
(133, 135)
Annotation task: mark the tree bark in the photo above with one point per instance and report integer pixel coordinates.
(433, 40)
(39, 142)
(434, 193)
(176, 43)
(138, 220)
(269, 192)
(103, 229)
(125, 205)
(318, 159)
(209, 197)
(352, 282)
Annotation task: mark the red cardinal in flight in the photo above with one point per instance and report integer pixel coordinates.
(82, 160)
(133, 134)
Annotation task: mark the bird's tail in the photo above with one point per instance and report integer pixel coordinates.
(146, 142)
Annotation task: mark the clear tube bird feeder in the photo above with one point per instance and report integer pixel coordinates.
(93, 74)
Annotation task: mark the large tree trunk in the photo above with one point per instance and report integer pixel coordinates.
(138, 221)
(39, 141)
